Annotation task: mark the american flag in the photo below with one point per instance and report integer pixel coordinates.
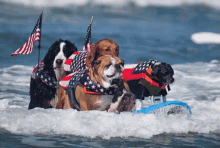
(87, 46)
(34, 37)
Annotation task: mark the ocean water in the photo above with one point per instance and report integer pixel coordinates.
(153, 29)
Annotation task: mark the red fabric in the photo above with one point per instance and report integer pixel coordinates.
(128, 76)
(64, 82)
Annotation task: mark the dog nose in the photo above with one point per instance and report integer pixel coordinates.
(59, 61)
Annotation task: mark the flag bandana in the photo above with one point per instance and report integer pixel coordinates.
(68, 64)
(38, 72)
(76, 62)
(79, 62)
(92, 86)
(34, 37)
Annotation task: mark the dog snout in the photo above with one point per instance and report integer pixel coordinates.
(59, 61)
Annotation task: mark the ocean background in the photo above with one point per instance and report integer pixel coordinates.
(143, 29)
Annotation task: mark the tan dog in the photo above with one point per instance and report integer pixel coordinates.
(104, 71)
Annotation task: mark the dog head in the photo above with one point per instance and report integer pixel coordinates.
(163, 72)
(57, 55)
(101, 48)
(107, 68)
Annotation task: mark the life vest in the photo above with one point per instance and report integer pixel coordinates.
(90, 87)
(141, 71)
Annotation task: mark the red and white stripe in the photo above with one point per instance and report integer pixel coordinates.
(28, 46)
(64, 82)
(87, 47)
(69, 61)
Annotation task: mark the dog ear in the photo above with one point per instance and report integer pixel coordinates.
(92, 56)
(96, 63)
(123, 63)
(49, 57)
(73, 48)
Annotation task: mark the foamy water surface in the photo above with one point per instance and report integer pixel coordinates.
(197, 84)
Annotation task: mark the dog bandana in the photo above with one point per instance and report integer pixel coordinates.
(91, 86)
(76, 62)
(38, 72)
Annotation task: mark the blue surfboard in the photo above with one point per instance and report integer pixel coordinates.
(155, 107)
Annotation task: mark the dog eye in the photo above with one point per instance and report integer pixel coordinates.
(118, 67)
(107, 66)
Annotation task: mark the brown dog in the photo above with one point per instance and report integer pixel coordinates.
(104, 70)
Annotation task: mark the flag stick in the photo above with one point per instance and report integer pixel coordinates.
(39, 46)
(91, 20)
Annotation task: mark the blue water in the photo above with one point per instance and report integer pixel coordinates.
(160, 32)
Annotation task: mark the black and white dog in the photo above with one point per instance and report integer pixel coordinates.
(45, 77)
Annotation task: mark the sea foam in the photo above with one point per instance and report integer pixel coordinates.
(196, 84)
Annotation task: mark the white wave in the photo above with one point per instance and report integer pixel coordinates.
(206, 38)
(196, 84)
(116, 3)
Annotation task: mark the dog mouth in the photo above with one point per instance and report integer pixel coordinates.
(110, 76)
(58, 67)
(115, 75)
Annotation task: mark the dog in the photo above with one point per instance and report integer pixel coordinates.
(103, 74)
(148, 78)
(46, 75)
(82, 60)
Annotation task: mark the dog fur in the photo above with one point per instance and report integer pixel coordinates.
(41, 94)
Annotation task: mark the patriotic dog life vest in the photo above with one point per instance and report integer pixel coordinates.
(90, 86)
(141, 71)
(38, 72)
(76, 64)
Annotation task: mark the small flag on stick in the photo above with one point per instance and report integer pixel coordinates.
(87, 46)
(34, 37)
